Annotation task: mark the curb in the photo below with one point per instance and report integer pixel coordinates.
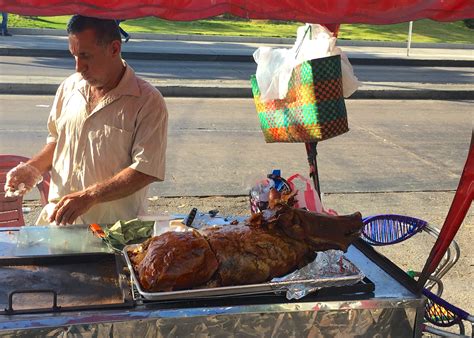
(238, 58)
(245, 92)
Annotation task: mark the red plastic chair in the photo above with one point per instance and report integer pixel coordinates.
(11, 212)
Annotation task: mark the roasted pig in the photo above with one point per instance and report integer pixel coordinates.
(254, 252)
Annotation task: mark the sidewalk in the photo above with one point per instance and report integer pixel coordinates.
(239, 49)
(236, 49)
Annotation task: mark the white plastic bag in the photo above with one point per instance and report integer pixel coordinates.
(313, 42)
(274, 71)
(350, 83)
(275, 65)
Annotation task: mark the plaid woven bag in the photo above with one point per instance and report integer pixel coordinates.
(313, 109)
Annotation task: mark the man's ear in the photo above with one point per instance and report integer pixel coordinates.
(116, 47)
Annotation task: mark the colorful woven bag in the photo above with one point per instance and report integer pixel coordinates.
(313, 109)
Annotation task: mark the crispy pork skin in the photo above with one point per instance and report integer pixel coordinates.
(175, 261)
(253, 255)
(255, 252)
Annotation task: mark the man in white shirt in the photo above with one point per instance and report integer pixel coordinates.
(107, 135)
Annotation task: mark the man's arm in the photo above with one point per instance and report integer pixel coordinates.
(126, 182)
(44, 159)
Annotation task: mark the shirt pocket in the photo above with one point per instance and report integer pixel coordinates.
(111, 146)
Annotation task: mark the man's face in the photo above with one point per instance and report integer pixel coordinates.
(93, 60)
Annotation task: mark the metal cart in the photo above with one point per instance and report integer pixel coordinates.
(89, 294)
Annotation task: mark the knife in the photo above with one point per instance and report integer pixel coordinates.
(190, 218)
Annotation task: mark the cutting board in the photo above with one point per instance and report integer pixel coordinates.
(57, 240)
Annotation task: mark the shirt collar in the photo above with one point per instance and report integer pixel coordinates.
(128, 85)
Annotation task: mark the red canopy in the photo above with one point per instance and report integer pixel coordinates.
(310, 11)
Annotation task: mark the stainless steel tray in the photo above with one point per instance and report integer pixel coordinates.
(239, 290)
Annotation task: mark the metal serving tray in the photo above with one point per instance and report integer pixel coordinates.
(69, 282)
(239, 290)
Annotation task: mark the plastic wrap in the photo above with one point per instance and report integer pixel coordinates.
(21, 180)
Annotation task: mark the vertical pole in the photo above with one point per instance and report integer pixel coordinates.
(410, 31)
(311, 147)
(313, 165)
(457, 212)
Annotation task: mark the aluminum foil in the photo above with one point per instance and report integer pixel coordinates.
(345, 322)
(328, 269)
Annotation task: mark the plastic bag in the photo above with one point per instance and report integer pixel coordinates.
(322, 43)
(274, 71)
(313, 42)
(306, 198)
(275, 65)
(259, 195)
(21, 180)
(350, 83)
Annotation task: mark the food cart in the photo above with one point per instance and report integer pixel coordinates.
(88, 291)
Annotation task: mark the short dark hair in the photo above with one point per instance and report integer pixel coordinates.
(106, 30)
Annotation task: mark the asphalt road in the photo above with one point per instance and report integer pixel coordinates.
(216, 147)
(150, 69)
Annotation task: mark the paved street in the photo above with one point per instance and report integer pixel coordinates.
(217, 148)
(431, 136)
(60, 68)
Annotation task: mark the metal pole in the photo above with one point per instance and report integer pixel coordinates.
(313, 165)
(410, 31)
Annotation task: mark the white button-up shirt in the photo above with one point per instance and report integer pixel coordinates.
(127, 128)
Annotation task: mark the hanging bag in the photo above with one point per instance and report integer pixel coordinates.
(313, 109)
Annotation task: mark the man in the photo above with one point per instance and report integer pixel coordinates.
(5, 24)
(107, 135)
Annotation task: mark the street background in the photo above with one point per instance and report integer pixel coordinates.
(410, 122)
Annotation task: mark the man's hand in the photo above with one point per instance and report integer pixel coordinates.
(71, 206)
(126, 182)
(21, 179)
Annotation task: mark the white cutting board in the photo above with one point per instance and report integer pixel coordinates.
(57, 240)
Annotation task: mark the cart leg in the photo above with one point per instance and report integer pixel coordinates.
(313, 165)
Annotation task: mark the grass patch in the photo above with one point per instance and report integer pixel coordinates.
(423, 30)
